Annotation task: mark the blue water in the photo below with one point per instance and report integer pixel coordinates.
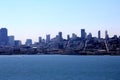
(59, 67)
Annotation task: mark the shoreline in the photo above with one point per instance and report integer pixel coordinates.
(56, 54)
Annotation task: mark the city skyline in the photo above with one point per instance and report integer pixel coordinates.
(31, 19)
(75, 44)
(6, 39)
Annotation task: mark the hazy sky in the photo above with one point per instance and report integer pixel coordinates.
(34, 18)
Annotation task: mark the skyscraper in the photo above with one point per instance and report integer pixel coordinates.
(99, 34)
(83, 34)
(48, 38)
(40, 39)
(3, 36)
(60, 36)
(106, 34)
(68, 37)
(11, 41)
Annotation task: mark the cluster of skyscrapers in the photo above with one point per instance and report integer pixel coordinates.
(86, 43)
(6, 40)
(10, 40)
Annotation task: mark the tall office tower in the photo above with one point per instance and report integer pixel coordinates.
(28, 42)
(68, 37)
(40, 39)
(83, 34)
(3, 36)
(106, 34)
(60, 36)
(48, 38)
(11, 41)
(99, 34)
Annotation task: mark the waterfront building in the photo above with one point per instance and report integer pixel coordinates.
(11, 41)
(28, 42)
(18, 43)
(3, 36)
(83, 34)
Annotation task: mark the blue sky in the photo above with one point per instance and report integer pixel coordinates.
(34, 18)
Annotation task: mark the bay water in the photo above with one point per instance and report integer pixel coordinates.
(59, 67)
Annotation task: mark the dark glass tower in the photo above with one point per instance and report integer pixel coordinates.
(3, 36)
(60, 36)
(99, 34)
(83, 34)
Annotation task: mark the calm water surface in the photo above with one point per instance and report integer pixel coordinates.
(59, 67)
